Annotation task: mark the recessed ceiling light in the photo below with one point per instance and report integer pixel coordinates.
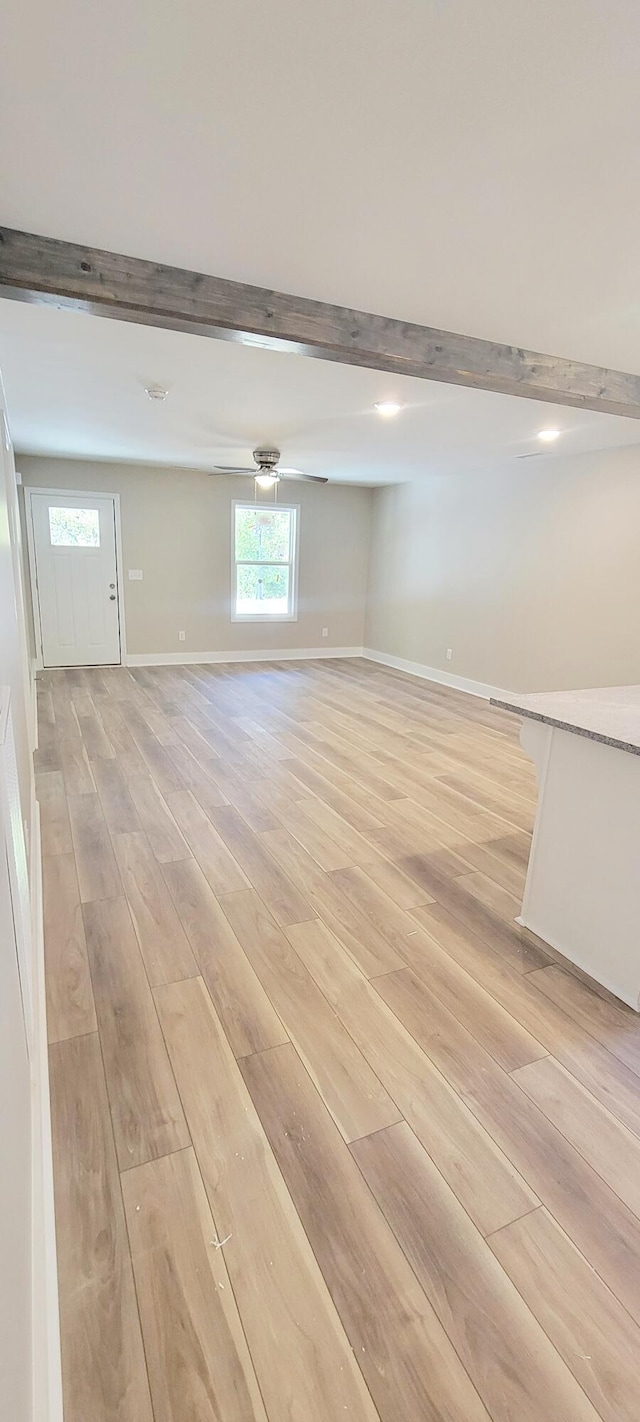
(156, 392)
(548, 436)
(387, 407)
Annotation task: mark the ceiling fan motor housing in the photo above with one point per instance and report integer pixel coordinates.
(266, 458)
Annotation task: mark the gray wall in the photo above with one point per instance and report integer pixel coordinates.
(531, 576)
(176, 526)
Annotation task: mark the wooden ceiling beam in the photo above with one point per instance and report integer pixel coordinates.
(64, 274)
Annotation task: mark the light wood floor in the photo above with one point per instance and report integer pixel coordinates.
(331, 1138)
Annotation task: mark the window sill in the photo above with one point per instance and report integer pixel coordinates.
(264, 617)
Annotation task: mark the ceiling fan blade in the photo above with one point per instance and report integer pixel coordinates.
(297, 474)
(232, 469)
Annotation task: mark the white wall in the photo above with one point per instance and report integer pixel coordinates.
(176, 527)
(530, 575)
(16, 1074)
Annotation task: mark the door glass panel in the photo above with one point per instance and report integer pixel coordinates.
(262, 589)
(74, 528)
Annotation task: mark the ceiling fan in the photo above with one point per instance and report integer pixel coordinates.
(267, 473)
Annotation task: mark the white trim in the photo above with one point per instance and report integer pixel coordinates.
(272, 654)
(294, 559)
(35, 731)
(536, 739)
(30, 489)
(460, 683)
(45, 1331)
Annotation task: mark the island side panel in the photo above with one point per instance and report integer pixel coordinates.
(582, 893)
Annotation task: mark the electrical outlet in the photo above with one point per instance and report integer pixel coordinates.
(135, 575)
(449, 654)
(181, 636)
(325, 631)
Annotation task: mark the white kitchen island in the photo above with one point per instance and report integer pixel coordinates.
(582, 894)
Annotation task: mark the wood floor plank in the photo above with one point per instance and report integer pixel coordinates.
(608, 1146)
(224, 787)
(248, 1017)
(613, 1024)
(493, 896)
(55, 830)
(485, 922)
(500, 1033)
(219, 866)
(393, 882)
(74, 762)
(130, 761)
(609, 1080)
(355, 847)
(197, 1355)
(497, 867)
(159, 825)
(93, 734)
(369, 949)
(359, 816)
(508, 1356)
(103, 1366)
(70, 1006)
(593, 1216)
(591, 1330)
(407, 1360)
(159, 763)
(148, 1120)
(364, 891)
(263, 872)
(97, 870)
(304, 827)
(509, 807)
(488, 1186)
(190, 770)
(347, 1084)
(515, 848)
(117, 806)
(305, 1367)
(163, 943)
(47, 755)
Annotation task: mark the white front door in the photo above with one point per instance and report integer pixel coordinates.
(74, 540)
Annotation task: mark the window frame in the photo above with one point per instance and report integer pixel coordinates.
(292, 564)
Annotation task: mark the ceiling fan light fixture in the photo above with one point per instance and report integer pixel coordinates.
(267, 480)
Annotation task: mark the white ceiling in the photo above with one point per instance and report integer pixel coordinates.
(76, 386)
(474, 166)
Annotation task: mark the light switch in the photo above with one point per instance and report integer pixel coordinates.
(135, 575)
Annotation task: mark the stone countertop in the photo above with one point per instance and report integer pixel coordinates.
(610, 714)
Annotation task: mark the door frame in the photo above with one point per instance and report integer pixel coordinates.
(29, 491)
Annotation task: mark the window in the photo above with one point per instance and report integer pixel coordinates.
(74, 528)
(264, 566)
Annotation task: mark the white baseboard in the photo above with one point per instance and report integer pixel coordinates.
(47, 1374)
(273, 654)
(460, 683)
